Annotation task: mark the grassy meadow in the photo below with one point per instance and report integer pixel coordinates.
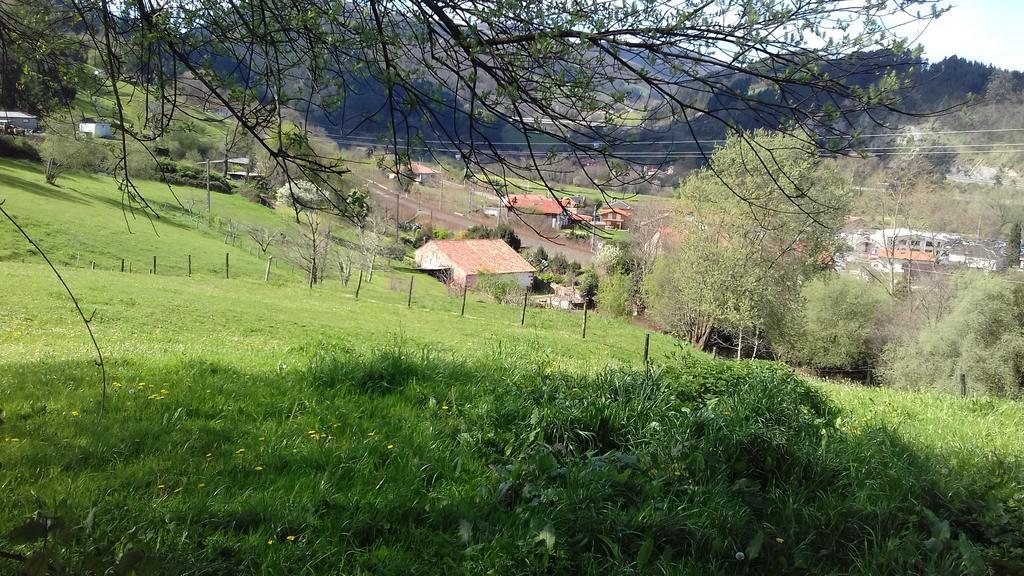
(269, 428)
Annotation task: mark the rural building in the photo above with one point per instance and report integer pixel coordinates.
(96, 128)
(235, 168)
(982, 255)
(616, 214)
(561, 213)
(11, 121)
(907, 245)
(424, 175)
(462, 262)
(564, 297)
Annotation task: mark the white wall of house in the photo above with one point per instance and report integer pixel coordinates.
(96, 129)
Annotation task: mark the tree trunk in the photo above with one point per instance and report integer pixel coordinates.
(757, 341)
(739, 346)
(51, 173)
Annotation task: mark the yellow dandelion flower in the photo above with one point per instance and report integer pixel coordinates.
(390, 446)
(779, 539)
(290, 538)
(270, 541)
(74, 413)
(444, 407)
(258, 468)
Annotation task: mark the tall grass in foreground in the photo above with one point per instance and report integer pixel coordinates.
(412, 460)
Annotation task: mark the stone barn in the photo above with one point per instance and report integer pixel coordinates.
(462, 262)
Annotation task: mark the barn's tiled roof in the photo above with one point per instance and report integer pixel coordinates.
(483, 256)
(535, 203)
(420, 169)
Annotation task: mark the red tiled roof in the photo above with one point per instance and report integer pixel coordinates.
(483, 256)
(898, 254)
(535, 203)
(624, 212)
(580, 217)
(419, 169)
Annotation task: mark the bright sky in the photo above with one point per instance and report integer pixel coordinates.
(989, 31)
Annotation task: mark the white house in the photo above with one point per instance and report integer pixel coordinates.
(96, 128)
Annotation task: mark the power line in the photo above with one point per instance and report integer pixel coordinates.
(374, 140)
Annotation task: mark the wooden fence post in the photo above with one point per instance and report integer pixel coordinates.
(266, 275)
(129, 266)
(359, 284)
(189, 265)
(585, 308)
(227, 265)
(122, 264)
(526, 295)
(463, 311)
(963, 385)
(93, 264)
(154, 265)
(408, 302)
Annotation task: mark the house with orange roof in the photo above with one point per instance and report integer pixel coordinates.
(463, 262)
(424, 174)
(617, 214)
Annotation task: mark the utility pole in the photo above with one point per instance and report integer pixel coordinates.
(208, 203)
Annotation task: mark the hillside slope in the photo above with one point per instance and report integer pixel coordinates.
(254, 428)
(83, 220)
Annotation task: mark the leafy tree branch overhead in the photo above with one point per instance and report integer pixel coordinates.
(507, 87)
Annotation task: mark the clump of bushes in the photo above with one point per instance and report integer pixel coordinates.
(18, 148)
(504, 231)
(499, 290)
(182, 174)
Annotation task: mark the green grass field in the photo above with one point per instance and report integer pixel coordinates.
(83, 220)
(255, 428)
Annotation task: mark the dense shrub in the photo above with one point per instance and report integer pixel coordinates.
(503, 231)
(182, 174)
(18, 148)
(982, 336)
(613, 295)
(835, 323)
(499, 290)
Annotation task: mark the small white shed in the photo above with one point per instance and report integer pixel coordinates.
(96, 128)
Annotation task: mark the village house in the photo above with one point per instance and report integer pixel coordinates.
(14, 122)
(983, 255)
(463, 262)
(617, 214)
(235, 168)
(96, 128)
(905, 245)
(559, 213)
(424, 175)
